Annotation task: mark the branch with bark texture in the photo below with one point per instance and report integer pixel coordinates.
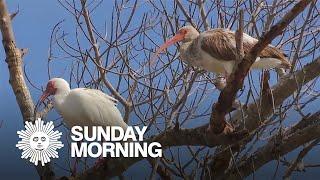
(255, 116)
(298, 160)
(278, 146)
(221, 160)
(17, 81)
(170, 138)
(14, 61)
(228, 94)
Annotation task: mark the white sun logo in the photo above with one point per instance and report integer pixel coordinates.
(39, 142)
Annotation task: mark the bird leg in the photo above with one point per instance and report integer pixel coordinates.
(228, 128)
(220, 82)
(236, 105)
(226, 76)
(281, 72)
(99, 162)
(101, 159)
(74, 167)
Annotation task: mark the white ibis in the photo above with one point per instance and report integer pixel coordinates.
(215, 50)
(82, 106)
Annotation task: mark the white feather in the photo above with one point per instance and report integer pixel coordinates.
(86, 107)
(266, 63)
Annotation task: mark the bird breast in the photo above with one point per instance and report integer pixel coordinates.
(84, 108)
(192, 54)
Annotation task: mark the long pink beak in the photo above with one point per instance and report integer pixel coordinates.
(178, 37)
(44, 96)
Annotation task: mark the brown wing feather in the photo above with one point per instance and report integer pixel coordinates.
(220, 44)
(273, 52)
(217, 43)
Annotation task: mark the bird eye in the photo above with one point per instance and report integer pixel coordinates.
(50, 85)
(183, 31)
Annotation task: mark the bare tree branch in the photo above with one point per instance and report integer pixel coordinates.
(255, 116)
(227, 96)
(276, 147)
(301, 155)
(18, 84)
(221, 160)
(203, 14)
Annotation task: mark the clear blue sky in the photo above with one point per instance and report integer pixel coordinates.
(32, 28)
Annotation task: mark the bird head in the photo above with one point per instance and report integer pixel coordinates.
(184, 34)
(54, 85)
(189, 33)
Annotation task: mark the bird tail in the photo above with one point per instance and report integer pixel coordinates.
(273, 52)
(286, 64)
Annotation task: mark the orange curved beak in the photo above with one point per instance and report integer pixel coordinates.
(178, 37)
(44, 96)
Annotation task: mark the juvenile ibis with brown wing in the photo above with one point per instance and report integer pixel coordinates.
(215, 50)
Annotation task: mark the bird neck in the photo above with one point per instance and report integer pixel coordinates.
(59, 98)
(184, 49)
